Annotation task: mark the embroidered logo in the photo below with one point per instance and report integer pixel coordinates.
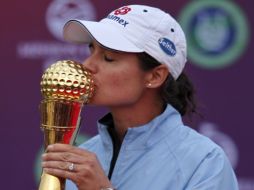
(167, 46)
(122, 11)
(118, 20)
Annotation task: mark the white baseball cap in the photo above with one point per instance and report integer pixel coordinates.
(135, 29)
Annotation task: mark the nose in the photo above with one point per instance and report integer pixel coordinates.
(90, 65)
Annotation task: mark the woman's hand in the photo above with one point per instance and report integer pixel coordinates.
(78, 165)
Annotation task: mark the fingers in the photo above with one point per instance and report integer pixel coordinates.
(60, 173)
(60, 165)
(65, 148)
(63, 169)
(74, 172)
(73, 163)
(62, 156)
(67, 153)
(59, 147)
(61, 160)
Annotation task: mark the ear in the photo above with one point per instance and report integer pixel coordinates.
(157, 76)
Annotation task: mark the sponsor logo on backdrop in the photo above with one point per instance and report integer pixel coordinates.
(216, 31)
(56, 15)
(60, 11)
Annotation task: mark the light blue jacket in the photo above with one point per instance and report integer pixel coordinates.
(163, 155)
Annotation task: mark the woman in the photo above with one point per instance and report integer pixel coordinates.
(137, 57)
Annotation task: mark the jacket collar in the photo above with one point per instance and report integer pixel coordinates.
(143, 136)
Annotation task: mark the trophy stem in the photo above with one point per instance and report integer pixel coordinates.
(60, 124)
(50, 182)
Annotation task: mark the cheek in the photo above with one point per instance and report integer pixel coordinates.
(121, 88)
(126, 85)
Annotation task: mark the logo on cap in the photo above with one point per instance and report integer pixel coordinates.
(122, 11)
(167, 46)
(118, 20)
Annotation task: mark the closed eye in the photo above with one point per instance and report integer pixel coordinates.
(108, 59)
(91, 47)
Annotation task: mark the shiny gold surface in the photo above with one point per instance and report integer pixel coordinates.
(51, 182)
(67, 80)
(65, 87)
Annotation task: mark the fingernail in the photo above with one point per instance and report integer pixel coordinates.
(46, 170)
(43, 156)
(50, 146)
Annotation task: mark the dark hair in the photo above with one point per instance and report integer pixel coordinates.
(179, 93)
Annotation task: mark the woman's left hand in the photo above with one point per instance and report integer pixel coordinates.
(78, 165)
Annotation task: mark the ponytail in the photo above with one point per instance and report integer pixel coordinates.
(180, 94)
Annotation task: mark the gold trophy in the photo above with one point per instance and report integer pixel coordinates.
(65, 87)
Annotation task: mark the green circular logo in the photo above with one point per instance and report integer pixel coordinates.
(216, 32)
(37, 165)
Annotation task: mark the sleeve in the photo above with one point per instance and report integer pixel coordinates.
(213, 173)
(69, 185)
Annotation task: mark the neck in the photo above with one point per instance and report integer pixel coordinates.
(135, 115)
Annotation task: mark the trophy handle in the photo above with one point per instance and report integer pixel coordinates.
(50, 182)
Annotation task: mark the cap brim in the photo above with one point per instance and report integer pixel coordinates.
(80, 31)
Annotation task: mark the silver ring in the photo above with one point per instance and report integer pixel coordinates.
(71, 167)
